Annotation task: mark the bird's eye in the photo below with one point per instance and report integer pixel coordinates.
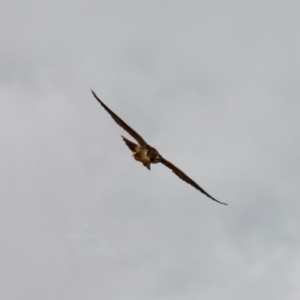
(157, 157)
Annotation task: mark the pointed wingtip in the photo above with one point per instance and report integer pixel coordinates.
(216, 200)
(221, 202)
(93, 93)
(98, 99)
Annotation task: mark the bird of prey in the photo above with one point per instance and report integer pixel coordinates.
(146, 154)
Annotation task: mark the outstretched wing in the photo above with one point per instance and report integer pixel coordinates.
(120, 122)
(187, 179)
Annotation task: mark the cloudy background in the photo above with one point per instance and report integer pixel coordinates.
(214, 85)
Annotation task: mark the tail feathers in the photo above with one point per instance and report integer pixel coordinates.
(147, 165)
(132, 146)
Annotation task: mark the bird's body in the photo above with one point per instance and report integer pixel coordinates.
(145, 154)
(148, 155)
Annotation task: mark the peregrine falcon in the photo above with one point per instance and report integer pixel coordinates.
(148, 155)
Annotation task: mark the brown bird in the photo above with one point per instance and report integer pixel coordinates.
(146, 154)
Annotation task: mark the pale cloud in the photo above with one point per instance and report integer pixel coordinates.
(214, 86)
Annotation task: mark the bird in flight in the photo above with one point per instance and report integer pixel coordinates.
(146, 154)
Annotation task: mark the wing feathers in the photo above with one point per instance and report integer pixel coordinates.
(187, 179)
(120, 122)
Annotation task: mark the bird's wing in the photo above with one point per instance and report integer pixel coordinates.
(120, 122)
(187, 179)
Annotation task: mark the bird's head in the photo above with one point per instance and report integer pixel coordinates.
(154, 156)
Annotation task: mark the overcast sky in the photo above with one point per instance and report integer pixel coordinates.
(214, 86)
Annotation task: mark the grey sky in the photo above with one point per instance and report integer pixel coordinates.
(214, 86)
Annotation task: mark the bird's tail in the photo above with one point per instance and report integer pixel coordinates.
(132, 146)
